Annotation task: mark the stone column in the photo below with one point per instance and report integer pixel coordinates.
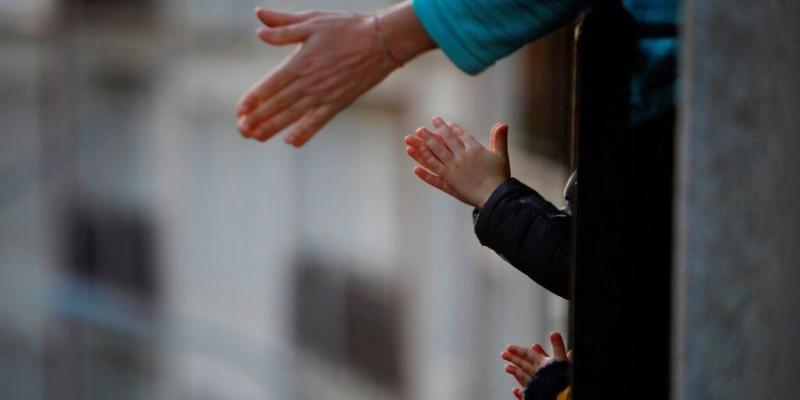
(737, 287)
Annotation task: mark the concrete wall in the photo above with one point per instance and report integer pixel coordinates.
(738, 228)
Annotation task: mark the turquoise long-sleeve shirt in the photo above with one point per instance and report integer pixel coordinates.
(476, 33)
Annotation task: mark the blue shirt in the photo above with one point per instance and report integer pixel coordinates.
(476, 33)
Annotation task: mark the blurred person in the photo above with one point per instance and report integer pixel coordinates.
(540, 375)
(510, 218)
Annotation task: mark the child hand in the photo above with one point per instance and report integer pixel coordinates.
(453, 161)
(525, 362)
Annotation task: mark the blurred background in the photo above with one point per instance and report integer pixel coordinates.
(147, 251)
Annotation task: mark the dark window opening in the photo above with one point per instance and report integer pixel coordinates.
(127, 12)
(350, 321)
(115, 248)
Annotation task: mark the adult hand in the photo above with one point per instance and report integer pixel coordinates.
(340, 57)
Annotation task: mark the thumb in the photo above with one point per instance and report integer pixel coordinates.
(499, 139)
(557, 343)
(273, 18)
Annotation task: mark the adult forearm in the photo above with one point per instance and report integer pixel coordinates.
(405, 36)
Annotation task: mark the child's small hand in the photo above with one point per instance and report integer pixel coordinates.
(456, 163)
(525, 362)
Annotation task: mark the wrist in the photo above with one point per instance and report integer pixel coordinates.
(403, 34)
(486, 190)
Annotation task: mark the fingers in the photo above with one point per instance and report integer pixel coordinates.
(310, 124)
(539, 349)
(570, 355)
(451, 137)
(419, 147)
(454, 127)
(557, 343)
(468, 140)
(499, 140)
(430, 178)
(284, 35)
(517, 393)
(427, 159)
(280, 77)
(414, 141)
(416, 150)
(417, 156)
(521, 377)
(520, 363)
(438, 149)
(282, 120)
(525, 354)
(275, 18)
(273, 105)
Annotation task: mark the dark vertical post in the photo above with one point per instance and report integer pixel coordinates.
(621, 311)
(737, 307)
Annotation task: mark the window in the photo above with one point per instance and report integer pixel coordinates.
(113, 248)
(345, 319)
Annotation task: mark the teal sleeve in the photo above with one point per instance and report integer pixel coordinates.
(476, 33)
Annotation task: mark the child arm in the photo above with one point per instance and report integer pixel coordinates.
(529, 232)
(539, 374)
(511, 218)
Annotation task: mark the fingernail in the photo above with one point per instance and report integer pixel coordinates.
(437, 122)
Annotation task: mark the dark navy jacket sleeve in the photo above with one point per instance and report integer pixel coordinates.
(549, 381)
(529, 232)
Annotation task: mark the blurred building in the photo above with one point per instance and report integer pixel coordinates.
(148, 251)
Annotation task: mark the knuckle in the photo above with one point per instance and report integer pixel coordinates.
(316, 120)
(305, 86)
(291, 71)
(281, 102)
(308, 62)
(267, 129)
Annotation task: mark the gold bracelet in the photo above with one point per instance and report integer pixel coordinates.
(385, 46)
